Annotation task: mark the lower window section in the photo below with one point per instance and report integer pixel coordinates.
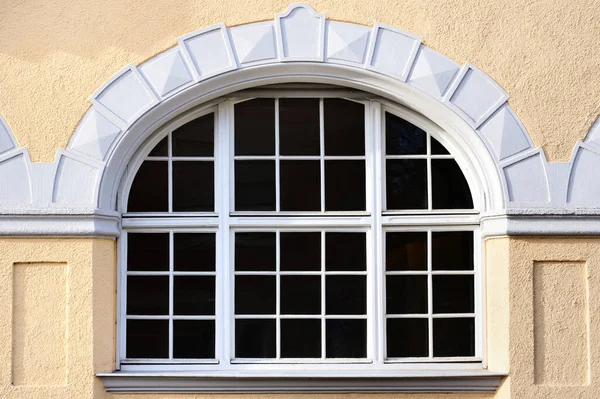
(300, 296)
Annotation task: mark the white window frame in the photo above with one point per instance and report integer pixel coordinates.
(374, 220)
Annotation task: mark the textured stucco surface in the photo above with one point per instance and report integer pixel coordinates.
(54, 53)
(64, 291)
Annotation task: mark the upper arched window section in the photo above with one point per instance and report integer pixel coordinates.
(289, 227)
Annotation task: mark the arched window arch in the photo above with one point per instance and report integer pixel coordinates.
(284, 227)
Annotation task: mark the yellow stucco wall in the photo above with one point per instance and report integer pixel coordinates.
(57, 321)
(55, 53)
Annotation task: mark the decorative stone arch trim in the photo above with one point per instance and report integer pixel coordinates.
(298, 43)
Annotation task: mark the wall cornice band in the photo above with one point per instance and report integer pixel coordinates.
(299, 39)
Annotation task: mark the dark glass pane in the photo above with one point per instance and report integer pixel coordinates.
(148, 252)
(300, 251)
(407, 338)
(255, 295)
(300, 185)
(345, 186)
(406, 251)
(193, 339)
(345, 338)
(147, 295)
(196, 138)
(344, 127)
(300, 338)
(254, 185)
(194, 252)
(453, 337)
(403, 138)
(300, 294)
(150, 189)
(448, 186)
(147, 339)
(452, 250)
(161, 149)
(406, 294)
(406, 183)
(254, 252)
(193, 186)
(255, 127)
(299, 126)
(453, 294)
(345, 252)
(345, 295)
(194, 295)
(255, 338)
(437, 148)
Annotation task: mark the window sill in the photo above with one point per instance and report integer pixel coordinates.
(186, 382)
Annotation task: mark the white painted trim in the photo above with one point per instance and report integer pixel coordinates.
(93, 223)
(466, 381)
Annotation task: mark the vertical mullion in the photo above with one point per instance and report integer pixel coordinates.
(223, 310)
(429, 183)
(322, 150)
(376, 273)
(429, 294)
(277, 177)
(277, 295)
(171, 292)
(323, 311)
(170, 170)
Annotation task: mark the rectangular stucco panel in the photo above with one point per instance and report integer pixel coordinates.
(39, 324)
(560, 301)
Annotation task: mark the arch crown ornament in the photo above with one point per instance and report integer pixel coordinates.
(529, 184)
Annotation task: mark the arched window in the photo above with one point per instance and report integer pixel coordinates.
(286, 227)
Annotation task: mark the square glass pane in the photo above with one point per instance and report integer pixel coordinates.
(255, 338)
(194, 339)
(196, 138)
(147, 295)
(300, 294)
(345, 295)
(453, 337)
(300, 251)
(452, 250)
(403, 138)
(300, 338)
(255, 127)
(150, 188)
(345, 252)
(193, 186)
(406, 184)
(299, 131)
(161, 149)
(345, 185)
(147, 339)
(300, 185)
(345, 338)
(194, 295)
(449, 187)
(406, 251)
(255, 295)
(254, 185)
(453, 294)
(148, 252)
(255, 252)
(407, 337)
(194, 252)
(344, 127)
(406, 294)
(437, 148)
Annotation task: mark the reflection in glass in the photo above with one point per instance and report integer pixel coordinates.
(403, 138)
(299, 131)
(254, 185)
(255, 127)
(406, 184)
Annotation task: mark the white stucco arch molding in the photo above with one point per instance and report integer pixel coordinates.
(16, 171)
(301, 45)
